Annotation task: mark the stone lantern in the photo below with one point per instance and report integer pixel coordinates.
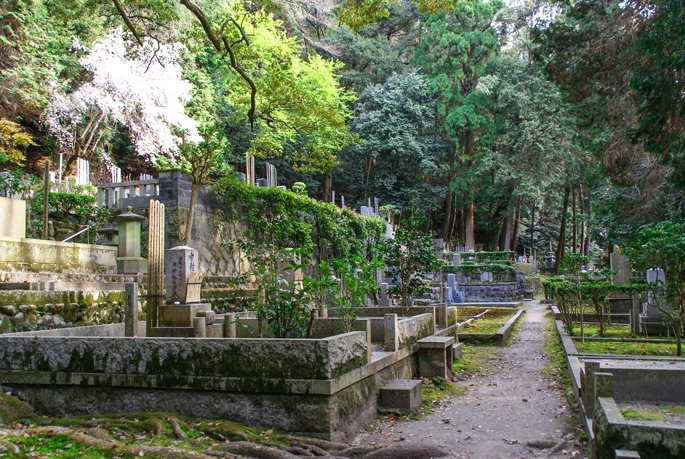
(129, 260)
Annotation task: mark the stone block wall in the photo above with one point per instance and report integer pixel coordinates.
(30, 260)
(29, 311)
(501, 291)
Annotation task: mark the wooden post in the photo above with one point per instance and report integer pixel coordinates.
(155, 259)
(46, 192)
(130, 309)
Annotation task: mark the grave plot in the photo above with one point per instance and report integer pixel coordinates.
(487, 324)
(642, 374)
(186, 359)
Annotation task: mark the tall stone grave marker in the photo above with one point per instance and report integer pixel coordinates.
(181, 262)
(384, 300)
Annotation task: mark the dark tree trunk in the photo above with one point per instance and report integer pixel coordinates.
(532, 228)
(575, 223)
(469, 239)
(517, 225)
(447, 217)
(562, 230)
(327, 185)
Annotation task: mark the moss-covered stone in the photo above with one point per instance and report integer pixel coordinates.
(13, 409)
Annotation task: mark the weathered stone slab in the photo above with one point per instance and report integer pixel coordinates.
(401, 394)
(172, 358)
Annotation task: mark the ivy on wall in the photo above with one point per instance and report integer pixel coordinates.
(286, 219)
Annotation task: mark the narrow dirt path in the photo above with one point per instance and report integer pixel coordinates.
(514, 412)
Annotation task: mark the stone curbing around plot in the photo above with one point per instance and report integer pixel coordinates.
(324, 387)
(633, 378)
(500, 336)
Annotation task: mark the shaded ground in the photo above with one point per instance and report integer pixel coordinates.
(515, 411)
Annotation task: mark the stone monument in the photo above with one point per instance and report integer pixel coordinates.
(129, 260)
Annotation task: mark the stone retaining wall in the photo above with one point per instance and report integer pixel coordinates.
(501, 291)
(29, 258)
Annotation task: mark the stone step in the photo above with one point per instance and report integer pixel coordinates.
(401, 394)
(625, 454)
(457, 351)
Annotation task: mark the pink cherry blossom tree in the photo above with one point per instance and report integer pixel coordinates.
(139, 87)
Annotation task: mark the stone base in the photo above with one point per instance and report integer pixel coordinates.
(213, 331)
(457, 351)
(436, 358)
(131, 265)
(180, 315)
(400, 394)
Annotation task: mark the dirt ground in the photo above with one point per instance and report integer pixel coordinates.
(516, 411)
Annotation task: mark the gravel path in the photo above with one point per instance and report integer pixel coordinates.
(514, 412)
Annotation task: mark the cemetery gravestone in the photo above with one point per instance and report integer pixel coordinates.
(384, 300)
(181, 262)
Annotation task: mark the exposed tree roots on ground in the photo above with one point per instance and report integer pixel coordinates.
(170, 436)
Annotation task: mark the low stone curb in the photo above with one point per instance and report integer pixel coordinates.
(500, 336)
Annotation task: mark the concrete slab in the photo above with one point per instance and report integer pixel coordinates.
(401, 394)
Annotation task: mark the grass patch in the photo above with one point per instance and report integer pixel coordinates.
(57, 446)
(557, 371)
(635, 415)
(486, 325)
(477, 360)
(631, 348)
(612, 331)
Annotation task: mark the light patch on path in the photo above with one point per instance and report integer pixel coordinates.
(514, 405)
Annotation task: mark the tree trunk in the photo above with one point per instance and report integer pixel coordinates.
(447, 217)
(327, 185)
(588, 238)
(562, 231)
(517, 225)
(575, 223)
(195, 188)
(532, 228)
(508, 226)
(582, 219)
(470, 241)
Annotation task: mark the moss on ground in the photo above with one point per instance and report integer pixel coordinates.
(476, 360)
(626, 348)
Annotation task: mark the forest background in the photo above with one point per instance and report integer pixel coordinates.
(508, 126)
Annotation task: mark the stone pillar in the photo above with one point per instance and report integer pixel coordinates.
(199, 327)
(442, 315)
(180, 263)
(130, 309)
(129, 260)
(456, 259)
(451, 288)
(391, 339)
(383, 300)
(635, 317)
(589, 396)
(604, 385)
(229, 325)
(365, 326)
(619, 263)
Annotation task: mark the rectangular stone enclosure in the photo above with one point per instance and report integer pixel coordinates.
(324, 387)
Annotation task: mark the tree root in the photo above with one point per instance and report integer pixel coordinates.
(9, 446)
(291, 449)
(246, 448)
(357, 451)
(180, 434)
(161, 451)
(315, 450)
(324, 444)
(407, 452)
